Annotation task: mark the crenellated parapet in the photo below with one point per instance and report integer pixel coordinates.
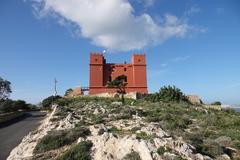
(139, 54)
(96, 54)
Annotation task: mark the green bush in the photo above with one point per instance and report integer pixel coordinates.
(97, 119)
(161, 150)
(81, 151)
(20, 104)
(132, 156)
(77, 132)
(211, 148)
(9, 105)
(57, 139)
(115, 130)
(167, 94)
(206, 146)
(125, 113)
(145, 136)
(154, 97)
(6, 106)
(68, 91)
(142, 135)
(134, 129)
(52, 140)
(63, 101)
(180, 158)
(47, 102)
(217, 103)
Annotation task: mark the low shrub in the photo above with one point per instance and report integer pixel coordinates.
(161, 150)
(115, 130)
(145, 136)
(57, 139)
(206, 146)
(52, 140)
(81, 151)
(142, 135)
(211, 148)
(9, 105)
(180, 158)
(134, 129)
(217, 103)
(167, 94)
(132, 156)
(47, 102)
(97, 119)
(125, 113)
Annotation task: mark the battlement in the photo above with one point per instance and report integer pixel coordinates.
(139, 59)
(97, 58)
(139, 54)
(96, 54)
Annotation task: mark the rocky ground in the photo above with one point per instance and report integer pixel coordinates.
(116, 132)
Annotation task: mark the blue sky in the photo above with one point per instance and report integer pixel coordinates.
(194, 45)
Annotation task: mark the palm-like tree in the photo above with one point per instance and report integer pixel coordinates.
(119, 83)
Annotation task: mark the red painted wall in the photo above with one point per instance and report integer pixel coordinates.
(101, 72)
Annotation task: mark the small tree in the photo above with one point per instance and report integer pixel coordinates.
(68, 91)
(119, 83)
(5, 89)
(169, 94)
(47, 102)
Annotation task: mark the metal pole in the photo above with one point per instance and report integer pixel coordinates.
(55, 87)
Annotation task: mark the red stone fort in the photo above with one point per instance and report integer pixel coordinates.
(102, 72)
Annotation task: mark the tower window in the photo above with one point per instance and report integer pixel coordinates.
(96, 60)
(125, 78)
(113, 69)
(139, 60)
(125, 69)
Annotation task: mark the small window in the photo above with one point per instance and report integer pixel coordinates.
(125, 69)
(139, 60)
(125, 78)
(113, 69)
(109, 78)
(96, 60)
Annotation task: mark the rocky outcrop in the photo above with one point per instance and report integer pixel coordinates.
(113, 139)
(25, 149)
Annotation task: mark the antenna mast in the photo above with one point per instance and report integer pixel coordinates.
(55, 87)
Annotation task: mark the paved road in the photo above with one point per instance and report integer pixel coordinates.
(12, 133)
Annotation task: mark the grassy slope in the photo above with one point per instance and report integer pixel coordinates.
(208, 130)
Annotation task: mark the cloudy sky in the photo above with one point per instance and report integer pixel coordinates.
(192, 44)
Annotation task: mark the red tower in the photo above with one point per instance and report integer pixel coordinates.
(102, 72)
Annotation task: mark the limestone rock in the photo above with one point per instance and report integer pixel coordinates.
(223, 157)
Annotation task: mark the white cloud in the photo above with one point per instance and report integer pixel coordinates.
(164, 64)
(148, 3)
(111, 24)
(156, 73)
(193, 10)
(178, 59)
(174, 60)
